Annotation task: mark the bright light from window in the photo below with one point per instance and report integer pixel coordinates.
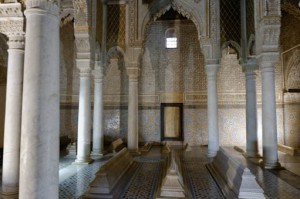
(171, 42)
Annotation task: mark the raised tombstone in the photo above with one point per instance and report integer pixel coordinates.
(235, 179)
(249, 188)
(71, 148)
(112, 177)
(117, 145)
(187, 147)
(166, 148)
(146, 147)
(172, 186)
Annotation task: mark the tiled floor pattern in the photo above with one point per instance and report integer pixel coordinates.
(200, 183)
(144, 182)
(273, 186)
(75, 186)
(198, 179)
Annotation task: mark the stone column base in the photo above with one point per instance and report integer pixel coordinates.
(9, 195)
(97, 153)
(211, 154)
(83, 162)
(275, 165)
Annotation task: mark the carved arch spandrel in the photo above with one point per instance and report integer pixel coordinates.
(159, 8)
(210, 46)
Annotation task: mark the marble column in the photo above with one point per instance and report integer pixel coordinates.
(98, 136)
(133, 137)
(212, 109)
(251, 109)
(40, 109)
(84, 113)
(269, 123)
(12, 130)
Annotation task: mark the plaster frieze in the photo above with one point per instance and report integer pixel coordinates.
(11, 10)
(292, 98)
(271, 34)
(9, 25)
(272, 8)
(82, 42)
(80, 13)
(11, 18)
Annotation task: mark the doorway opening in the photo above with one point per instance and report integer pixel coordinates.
(171, 122)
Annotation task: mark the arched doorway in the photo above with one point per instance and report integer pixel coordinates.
(171, 75)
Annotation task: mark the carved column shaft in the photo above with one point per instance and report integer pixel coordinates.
(133, 141)
(212, 109)
(251, 110)
(12, 131)
(84, 113)
(40, 113)
(98, 136)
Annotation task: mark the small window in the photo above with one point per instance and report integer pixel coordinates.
(171, 42)
(171, 38)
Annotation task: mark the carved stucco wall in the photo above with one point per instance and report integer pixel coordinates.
(182, 70)
(290, 63)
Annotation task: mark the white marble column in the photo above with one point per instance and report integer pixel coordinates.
(40, 109)
(12, 129)
(269, 124)
(251, 109)
(84, 113)
(98, 136)
(212, 109)
(133, 137)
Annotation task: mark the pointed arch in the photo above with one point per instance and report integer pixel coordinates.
(234, 44)
(115, 51)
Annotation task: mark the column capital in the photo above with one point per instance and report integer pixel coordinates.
(52, 6)
(133, 73)
(267, 61)
(16, 41)
(98, 74)
(212, 69)
(84, 66)
(250, 66)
